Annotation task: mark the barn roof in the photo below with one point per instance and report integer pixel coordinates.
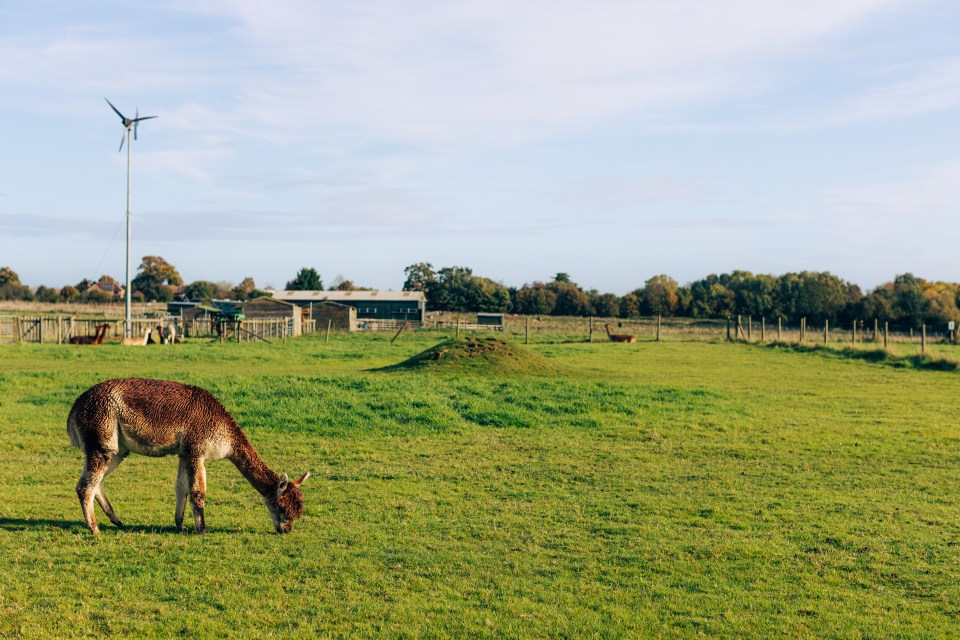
(349, 296)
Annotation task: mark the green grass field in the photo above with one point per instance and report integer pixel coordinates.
(640, 490)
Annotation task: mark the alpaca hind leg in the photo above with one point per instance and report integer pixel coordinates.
(94, 469)
(101, 497)
(183, 489)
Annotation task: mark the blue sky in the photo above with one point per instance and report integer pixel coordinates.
(613, 140)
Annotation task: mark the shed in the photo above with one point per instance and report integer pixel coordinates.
(492, 319)
(194, 311)
(271, 309)
(341, 317)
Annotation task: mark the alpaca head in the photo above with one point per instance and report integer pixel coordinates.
(286, 505)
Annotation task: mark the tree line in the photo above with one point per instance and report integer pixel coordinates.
(906, 302)
(158, 281)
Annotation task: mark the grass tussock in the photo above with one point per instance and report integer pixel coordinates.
(876, 355)
(478, 355)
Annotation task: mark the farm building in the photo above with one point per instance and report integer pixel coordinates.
(341, 317)
(256, 309)
(370, 305)
(271, 309)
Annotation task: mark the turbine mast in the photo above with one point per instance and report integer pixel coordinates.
(128, 326)
(129, 136)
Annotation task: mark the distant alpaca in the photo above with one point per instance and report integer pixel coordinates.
(97, 339)
(159, 418)
(103, 334)
(138, 341)
(619, 337)
(167, 333)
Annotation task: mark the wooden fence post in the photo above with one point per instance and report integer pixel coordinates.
(826, 331)
(779, 326)
(591, 330)
(458, 327)
(749, 328)
(876, 330)
(923, 339)
(526, 330)
(763, 328)
(658, 328)
(329, 324)
(728, 328)
(739, 328)
(886, 331)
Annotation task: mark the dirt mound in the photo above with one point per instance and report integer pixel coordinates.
(479, 355)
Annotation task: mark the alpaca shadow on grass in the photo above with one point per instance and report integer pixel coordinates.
(23, 524)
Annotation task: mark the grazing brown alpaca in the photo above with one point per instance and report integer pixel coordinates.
(160, 418)
(97, 339)
(619, 337)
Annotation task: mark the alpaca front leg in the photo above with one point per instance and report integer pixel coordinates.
(197, 476)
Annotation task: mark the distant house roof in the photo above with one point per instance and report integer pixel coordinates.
(349, 296)
(109, 288)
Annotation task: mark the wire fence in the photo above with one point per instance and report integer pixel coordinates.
(528, 329)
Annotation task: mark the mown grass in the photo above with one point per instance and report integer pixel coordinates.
(653, 489)
(941, 360)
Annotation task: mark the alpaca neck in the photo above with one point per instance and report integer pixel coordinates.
(607, 327)
(251, 467)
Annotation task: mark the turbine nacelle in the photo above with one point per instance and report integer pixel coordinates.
(128, 123)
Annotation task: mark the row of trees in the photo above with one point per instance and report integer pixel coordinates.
(907, 301)
(156, 280)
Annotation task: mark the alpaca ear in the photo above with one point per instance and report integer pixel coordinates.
(282, 485)
(299, 481)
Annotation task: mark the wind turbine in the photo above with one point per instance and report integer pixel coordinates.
(128, 123)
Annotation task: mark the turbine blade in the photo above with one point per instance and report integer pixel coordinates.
(123, 136)
(144, 118)
(115, 110)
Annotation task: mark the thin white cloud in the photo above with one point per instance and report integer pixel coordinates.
(933, 86)
(499, 72)
(900, 91)
(930, 196)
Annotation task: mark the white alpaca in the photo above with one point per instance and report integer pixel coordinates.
(138, 341)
